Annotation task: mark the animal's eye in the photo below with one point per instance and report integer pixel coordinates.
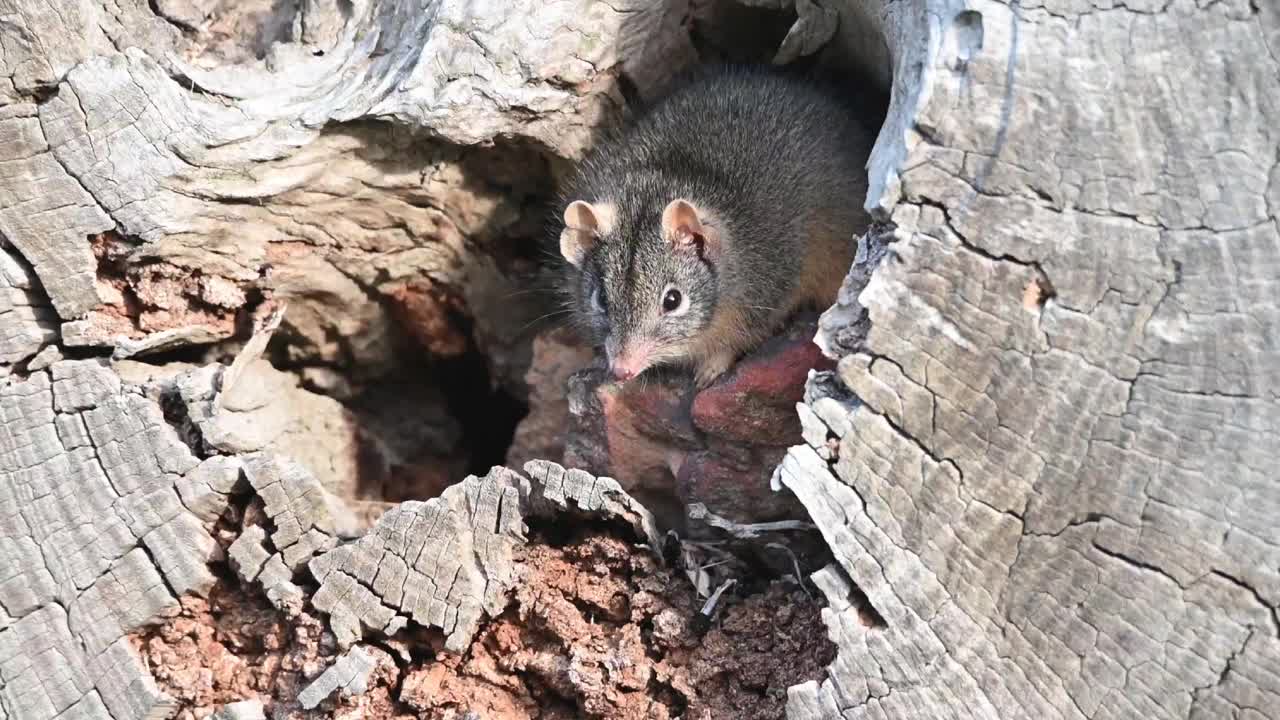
(597, 299)
(672, 300)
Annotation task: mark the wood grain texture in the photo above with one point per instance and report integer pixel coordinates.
(348, 674)
(1061, 509)
(442, 563)
(95, 542)
(223, 154)
(557, 491)
(27, 322)
(116, 121)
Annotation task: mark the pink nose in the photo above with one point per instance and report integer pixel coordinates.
(627, 365)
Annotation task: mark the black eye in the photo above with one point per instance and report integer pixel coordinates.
(671, 300)
(597, 299)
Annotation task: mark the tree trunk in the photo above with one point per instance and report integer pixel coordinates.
(1040, 465)
(1051, 484)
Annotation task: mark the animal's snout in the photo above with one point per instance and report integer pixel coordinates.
(629, 363)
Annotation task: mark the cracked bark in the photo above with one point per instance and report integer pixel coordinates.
(1054, 495)
(96, 541)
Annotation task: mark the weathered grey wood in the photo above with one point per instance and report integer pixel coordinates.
(1055, 474)
(249, 553)
(556, 491)
(115, 120)
(296, 503)
(94, 538)
(44, 212)
(348, 675)
(441, 563)
(218, 163)
(27, 323)
(261, 409)
(257, 562)
(214, 136)
(447, 562)
(205, 490)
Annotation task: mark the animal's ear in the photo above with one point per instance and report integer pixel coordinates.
(582, 227)
(581, 215)
(685, 226)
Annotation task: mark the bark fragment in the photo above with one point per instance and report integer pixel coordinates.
(441, 563)
(349, 675)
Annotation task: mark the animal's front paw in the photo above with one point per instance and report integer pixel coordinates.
(712, 368)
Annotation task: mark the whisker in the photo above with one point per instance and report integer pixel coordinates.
(543, 317)
(528, 291)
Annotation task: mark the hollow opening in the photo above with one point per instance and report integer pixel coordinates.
(425, 351)
(488, 414)
(411, 302)
(854, 59)
(723, 31)
(430, 380)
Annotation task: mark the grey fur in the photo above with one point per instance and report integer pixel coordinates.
(768, 153)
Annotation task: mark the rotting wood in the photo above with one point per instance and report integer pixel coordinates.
(447, 562)
(222, 170)
(27, 322)
(441, 563)
(112, 121)
(348, 675)
(96, 541)
(557, 490)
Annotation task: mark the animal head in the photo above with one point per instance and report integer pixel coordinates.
(646, 282)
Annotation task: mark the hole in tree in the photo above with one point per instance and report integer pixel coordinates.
(487, 412)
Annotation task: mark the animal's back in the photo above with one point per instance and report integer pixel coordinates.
(756, 131)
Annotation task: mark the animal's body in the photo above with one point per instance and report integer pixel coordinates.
(693, 233)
